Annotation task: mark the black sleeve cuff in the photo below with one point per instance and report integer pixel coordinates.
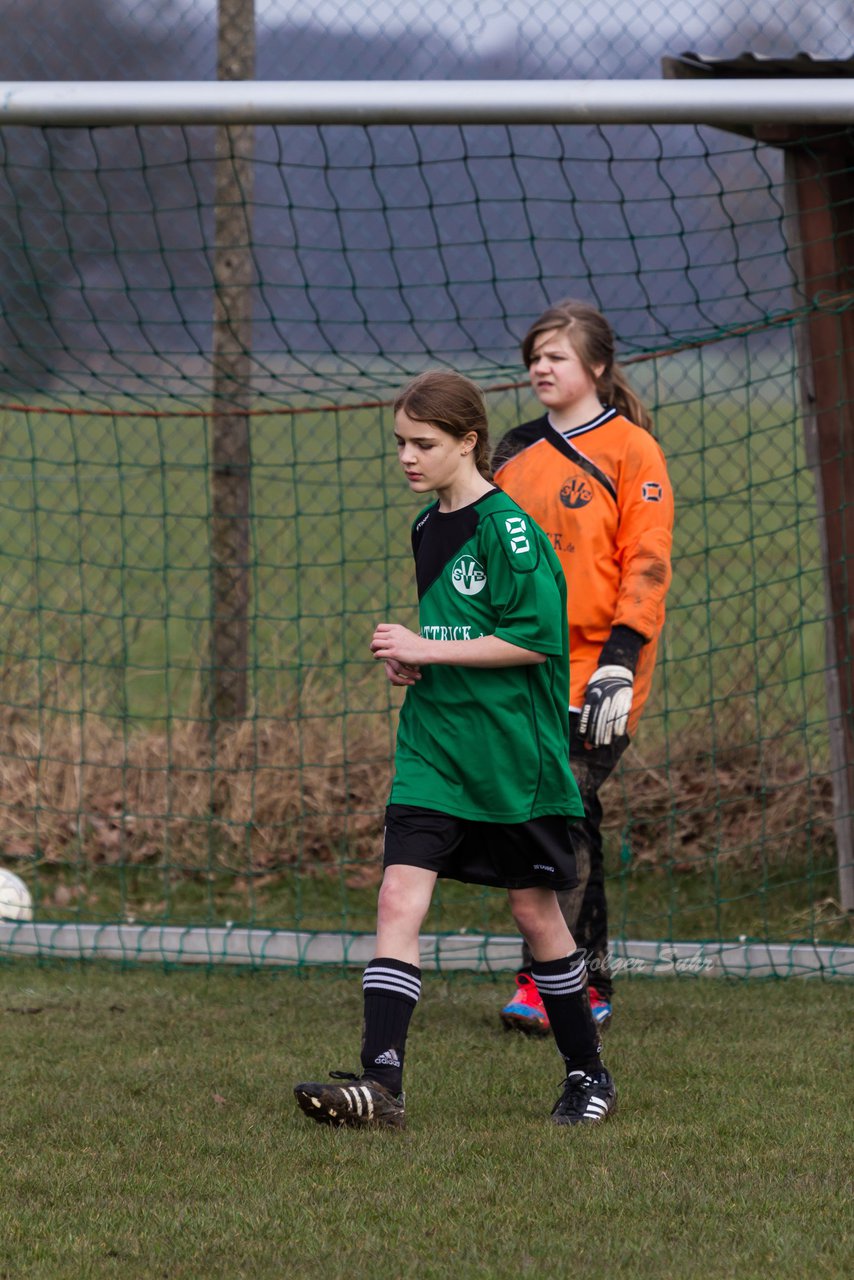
(622, 648)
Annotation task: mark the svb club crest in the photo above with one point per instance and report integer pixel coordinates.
(576, 491)
(468, 576)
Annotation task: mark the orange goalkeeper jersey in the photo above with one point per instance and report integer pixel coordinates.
(602, 495)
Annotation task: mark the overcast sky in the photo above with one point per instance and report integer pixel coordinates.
(601, 37)
(412, 39)
(787, 23)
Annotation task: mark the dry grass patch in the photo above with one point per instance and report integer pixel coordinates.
(307, 786)
(754, 805)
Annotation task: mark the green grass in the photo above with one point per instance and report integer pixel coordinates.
(797, 901)
(104, 548)
(104, 555)
(149, 1131)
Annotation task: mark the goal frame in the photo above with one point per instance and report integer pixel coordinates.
(826, 101)
(736, 104)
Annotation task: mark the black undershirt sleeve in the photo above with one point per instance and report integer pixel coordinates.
(622, 648)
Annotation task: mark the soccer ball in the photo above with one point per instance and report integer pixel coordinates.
(15, 900)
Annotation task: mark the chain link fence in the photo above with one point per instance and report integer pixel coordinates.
(305, 39)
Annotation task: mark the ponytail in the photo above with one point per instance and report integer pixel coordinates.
(615, 389)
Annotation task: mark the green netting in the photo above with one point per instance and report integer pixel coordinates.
(126, 799)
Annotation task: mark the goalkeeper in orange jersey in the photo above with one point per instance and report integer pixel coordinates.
(590, 473)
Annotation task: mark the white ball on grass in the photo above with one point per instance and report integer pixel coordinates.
(15, 900)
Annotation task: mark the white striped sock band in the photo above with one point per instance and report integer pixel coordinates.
(391, 982)
(567, 983)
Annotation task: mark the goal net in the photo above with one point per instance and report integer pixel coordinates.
(139, 814)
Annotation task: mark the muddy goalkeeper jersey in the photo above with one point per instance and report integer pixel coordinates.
(602, 495)
(489, 744)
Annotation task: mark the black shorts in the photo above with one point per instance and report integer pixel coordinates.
(507, 855)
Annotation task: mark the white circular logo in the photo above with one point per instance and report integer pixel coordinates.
(468, 576)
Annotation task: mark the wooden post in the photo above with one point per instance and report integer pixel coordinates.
(820, 189)
(232, 370)
(819, 195)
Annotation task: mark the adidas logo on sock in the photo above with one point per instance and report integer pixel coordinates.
(387, 1059)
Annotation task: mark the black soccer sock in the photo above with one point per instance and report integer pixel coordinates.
(391, 992)
(563, 987)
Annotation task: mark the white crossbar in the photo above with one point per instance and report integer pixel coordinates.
(771, 101)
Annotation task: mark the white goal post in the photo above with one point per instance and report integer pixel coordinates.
(258, 947)
(720, 102)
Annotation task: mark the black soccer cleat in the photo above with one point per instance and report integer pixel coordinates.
(360, 1104)
(586, 1099)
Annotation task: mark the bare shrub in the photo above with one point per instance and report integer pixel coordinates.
(749, 804)
(307, 787)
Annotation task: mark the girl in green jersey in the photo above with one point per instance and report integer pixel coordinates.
(482, 791)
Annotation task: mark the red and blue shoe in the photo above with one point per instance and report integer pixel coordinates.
(600, 1008)
(526, 1011)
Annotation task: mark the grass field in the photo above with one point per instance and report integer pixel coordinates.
(649, 901)
(105, 556)
(149, 1130)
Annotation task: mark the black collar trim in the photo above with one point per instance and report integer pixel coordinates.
(559, 442)
(605, 416)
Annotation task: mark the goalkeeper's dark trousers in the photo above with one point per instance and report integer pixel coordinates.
(585, 908)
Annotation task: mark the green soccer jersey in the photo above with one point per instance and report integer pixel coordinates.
(489, 744)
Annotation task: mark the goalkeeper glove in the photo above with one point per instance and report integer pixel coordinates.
(607, 703)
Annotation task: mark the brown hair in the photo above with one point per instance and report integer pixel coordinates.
(593, 341)
(452, 403)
